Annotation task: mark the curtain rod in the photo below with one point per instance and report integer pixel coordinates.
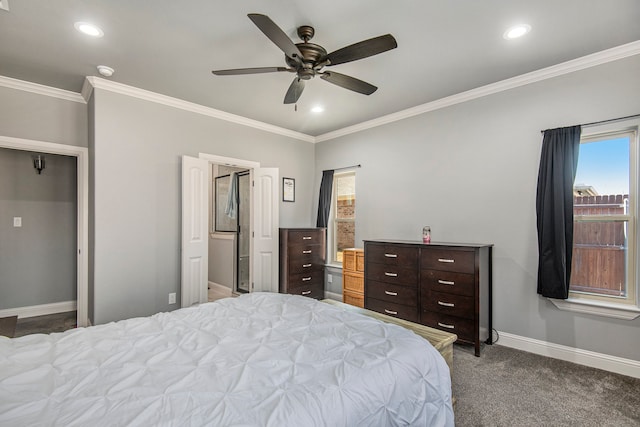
(346, 167)
(607, 121)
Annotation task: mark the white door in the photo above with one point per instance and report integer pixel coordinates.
(265, 202)
(195, 231)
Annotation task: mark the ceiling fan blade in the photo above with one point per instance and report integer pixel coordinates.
(349, 82)
(276, 35)
(294, 91)
(258, 70)
(362, 49)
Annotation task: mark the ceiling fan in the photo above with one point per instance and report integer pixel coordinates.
(307, 60)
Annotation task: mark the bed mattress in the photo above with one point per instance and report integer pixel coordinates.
(261, 359)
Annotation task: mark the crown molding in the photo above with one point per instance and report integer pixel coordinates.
(41, 89)
(91, 82)
(588, 61)
(146, 95)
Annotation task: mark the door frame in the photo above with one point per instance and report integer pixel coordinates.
(82, 173)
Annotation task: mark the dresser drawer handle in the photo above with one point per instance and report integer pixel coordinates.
(390, 311)
(391, 255)
(306, 237)
(446, 260)
(446, 304)
(306, 265)
(444, 325)
(307, 252)
(390, 274)
(306, 292)
(446, 282)
(306, 279)
(393, 294)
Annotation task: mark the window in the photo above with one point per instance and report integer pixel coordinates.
(605, 203)
(343, 215)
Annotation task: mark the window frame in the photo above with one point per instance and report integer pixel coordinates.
(610, 306)
(332, 238)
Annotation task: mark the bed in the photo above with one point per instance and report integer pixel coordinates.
(260, 359)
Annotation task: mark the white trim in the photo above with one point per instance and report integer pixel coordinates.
(602, 361)
(229, 161)
(588, 61)
(41, 89)
(333, 296)
(598, 308)
(222, 235)
(193, 107)
(39, 310)
(82, 156)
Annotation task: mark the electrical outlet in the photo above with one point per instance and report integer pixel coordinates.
(172, 298)
(329, 278)
(17, 221)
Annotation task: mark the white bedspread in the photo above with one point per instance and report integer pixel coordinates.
(256, 360)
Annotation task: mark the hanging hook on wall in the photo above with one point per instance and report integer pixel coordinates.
(38, 163)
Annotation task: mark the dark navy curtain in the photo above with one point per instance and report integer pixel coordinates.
(324, 204)
(554, 210)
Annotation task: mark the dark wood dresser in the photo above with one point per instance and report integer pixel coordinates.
(302, 259)
(442, 285)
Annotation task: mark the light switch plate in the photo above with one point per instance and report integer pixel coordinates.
(17, 221)
(172, 298)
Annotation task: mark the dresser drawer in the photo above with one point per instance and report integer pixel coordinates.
(392, 274)
(456, 325)
(353, 281)
(356, 299)
(391, 309)
(309, 290)
(448, 260)
(353, 260)
(455, 305)
(446, 281)
(404, 256)
(398, 294)
(305, 237)
(306, 252)
(307, 279)
(304, 264)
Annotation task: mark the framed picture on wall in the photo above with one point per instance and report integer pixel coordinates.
(288, 190)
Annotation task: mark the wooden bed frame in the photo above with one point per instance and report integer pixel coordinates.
(441, 340)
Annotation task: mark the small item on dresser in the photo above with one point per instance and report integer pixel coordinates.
(426, 234)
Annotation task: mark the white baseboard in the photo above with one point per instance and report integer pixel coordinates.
(602, 361)
(40, 310)
(333, 295)
(221, 289)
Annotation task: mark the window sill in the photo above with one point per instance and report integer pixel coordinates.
(616, 311)
(334, 265)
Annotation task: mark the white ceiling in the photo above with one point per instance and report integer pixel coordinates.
(170, 47)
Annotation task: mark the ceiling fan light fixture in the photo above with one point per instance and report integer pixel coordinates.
(88, 29)
(517, 31)
(317, 109)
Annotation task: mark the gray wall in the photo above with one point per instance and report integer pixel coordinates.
(37, 260)
(43, 118)
(137, 149)
(470, 170)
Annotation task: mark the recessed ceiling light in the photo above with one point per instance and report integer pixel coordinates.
(89, 29)
(517, 31)
(317, 109)
(105, 71)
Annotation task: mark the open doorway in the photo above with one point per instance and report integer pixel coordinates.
(261, 260)
(230, 238)
(81, 155)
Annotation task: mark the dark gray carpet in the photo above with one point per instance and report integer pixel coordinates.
(507, 387)
(8, 326)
